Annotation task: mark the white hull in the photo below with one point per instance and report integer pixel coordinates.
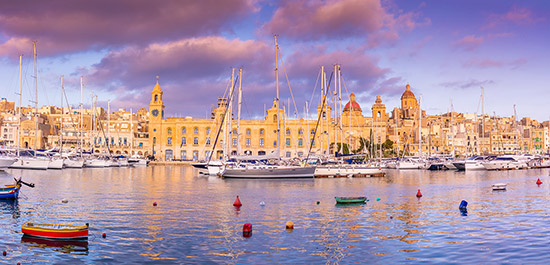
(56, 163)
(77, 163)
(346, 170)
(138, 161)
(410, 165)
(7, 161)
(123, 162)
(31, 163)
(268, 172)
(94, 163)
(214, 170)
(111, 163)
(474, 165)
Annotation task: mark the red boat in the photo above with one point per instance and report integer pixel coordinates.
(55, 231)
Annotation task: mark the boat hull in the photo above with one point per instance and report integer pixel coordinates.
(269, 172)
(69, 163)
(6, 161)
(52, 231)
(350, 200)
(10, 193)
(346, 170)
(56, 163)
(31, 163)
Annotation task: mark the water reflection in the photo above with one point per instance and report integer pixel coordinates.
(79, 247)
(10, 207)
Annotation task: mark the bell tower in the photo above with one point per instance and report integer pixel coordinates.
(156, 106)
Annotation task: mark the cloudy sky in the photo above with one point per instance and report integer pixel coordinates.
(446, 50)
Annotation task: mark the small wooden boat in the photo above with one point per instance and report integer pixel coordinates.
(499, 186)
(55, 231)
(348, 200)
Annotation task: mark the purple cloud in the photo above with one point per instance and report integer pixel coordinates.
(70, 26)
(489, 63)
(461, 85)
(469, 43)
(516, 15)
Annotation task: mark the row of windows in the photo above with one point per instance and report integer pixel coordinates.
(121, 141)
(248, 131)
(247, 141)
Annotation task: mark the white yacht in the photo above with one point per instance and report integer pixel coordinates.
(472, 163)
(411, 163)
(138, 160)
(6, 161)
(506, 162)
(31, 162)
(347, 170)
(95, 162)
(267, 171)
(56, 163)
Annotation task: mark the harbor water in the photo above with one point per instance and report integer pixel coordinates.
(195, 221)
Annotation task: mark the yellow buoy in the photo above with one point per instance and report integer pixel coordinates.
(289, 225)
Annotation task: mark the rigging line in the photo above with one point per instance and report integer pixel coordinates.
(288, 82)
(231, 94)
(318, 120)
(351, 107)
(313, 93)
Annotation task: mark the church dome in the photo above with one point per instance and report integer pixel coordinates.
(354, 105)
(408, 93)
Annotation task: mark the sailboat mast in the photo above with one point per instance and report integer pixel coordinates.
(420, 125)
(131, 132)
(239, 112)
(109, 126)
(277, 95)
(81, 117)
(35, 99)
(19, 109)
(322, 111)
(452, 131)
(482, 124)
(340, 111)
(335, 109)
(61, 122)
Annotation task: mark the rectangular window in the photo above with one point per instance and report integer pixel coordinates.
(169, 141)
(195, 155)
(234, 141)
(183, 155)
(196, 140)
(183, 140)
(125, 141)
(287, 142)
(287, 154)
(261, 141)
(247, 141)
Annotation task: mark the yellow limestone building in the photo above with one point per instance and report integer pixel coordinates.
(193, 139)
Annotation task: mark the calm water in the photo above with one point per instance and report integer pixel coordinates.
(195, 221)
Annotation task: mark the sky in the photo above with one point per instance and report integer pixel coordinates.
(446, 50)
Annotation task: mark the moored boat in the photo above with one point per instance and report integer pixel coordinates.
(499, 186)
(11, 192)
(55, 231)
(348, 200)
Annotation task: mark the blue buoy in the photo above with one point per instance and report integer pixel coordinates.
(463, 205)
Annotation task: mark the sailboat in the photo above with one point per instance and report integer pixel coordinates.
(29, 162)
(71, 160)
(247, 170)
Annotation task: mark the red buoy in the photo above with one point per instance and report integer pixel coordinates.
(539, 182)
(391, 217)
(419, 194)
(154, 203)
(104, 235)
(247, 227)
(4, 253)
(237, 202)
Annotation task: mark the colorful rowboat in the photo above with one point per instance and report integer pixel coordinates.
(349, 200)
(55, 231)
(9, 192)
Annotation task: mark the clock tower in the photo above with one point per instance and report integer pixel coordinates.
(156, 116)
(156, 106)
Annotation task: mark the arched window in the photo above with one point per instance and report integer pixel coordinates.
(196, 130)
(156, 98)
(234, 132)
(287, 131)
(207, 131)
(274, 118)
(169, 130)
(183, 130)
(207, 140)
(300, 131)
(169, 141)
(312, 131)
(248, 131)
(262, 131)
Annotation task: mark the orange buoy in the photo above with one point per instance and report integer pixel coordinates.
(237, 202)
(539, 182)
(289, 225)
(419, 194)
